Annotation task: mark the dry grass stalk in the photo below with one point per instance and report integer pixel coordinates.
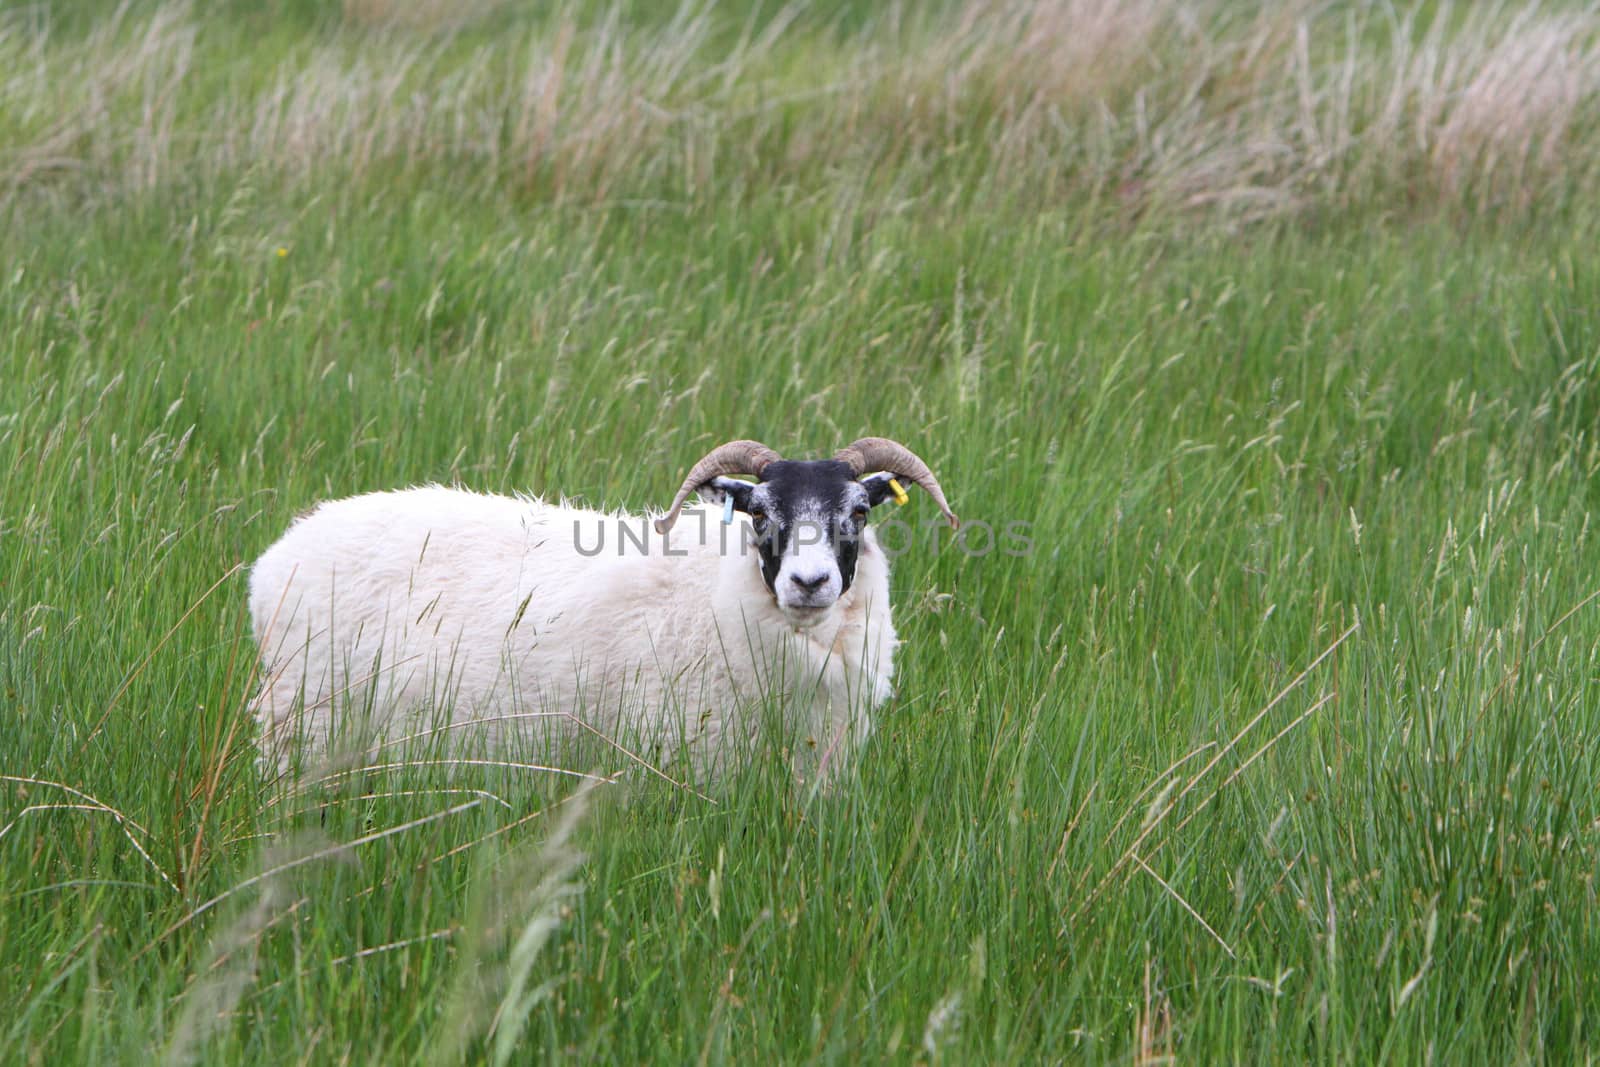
(1189, 106)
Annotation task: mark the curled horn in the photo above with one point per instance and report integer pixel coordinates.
(880, 453)
(735, 457)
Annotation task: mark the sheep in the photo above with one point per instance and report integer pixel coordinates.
(486, 611)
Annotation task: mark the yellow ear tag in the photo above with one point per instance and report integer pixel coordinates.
(727, 511)
(900, 498)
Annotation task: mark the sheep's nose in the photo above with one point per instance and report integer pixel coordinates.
(808, 585)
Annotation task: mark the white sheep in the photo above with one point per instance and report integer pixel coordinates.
(434, 609)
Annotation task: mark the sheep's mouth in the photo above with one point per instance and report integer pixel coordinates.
(805, 616)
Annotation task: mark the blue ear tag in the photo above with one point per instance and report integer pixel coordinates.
(727, 510)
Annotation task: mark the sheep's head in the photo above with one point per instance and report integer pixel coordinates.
(808, 515)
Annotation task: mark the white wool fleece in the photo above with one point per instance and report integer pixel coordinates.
(470, 606)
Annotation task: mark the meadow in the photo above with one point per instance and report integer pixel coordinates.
(1276, 324)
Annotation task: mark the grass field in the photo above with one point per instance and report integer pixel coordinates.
(1278, 326)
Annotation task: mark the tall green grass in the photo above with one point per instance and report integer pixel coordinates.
(1280, 743)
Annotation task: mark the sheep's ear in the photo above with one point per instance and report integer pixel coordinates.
(718, 489)
(878, 487)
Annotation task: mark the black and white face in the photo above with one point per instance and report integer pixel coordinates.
(808, 518)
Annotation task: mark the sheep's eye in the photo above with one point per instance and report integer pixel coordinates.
(859, 514)
(758, 514)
